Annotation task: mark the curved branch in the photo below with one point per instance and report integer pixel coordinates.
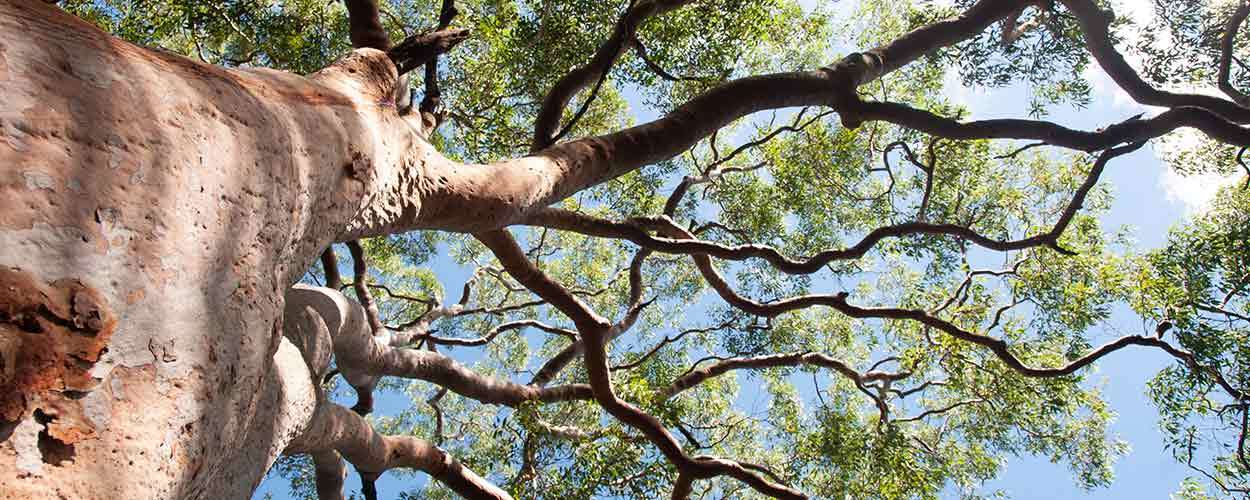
(328, 474)
(494, 332)
(334, 427)
(1134, 130)
(360, 283)
(433, 96)
(504, 192)
(635, 232)
(920, 388)
(1226, 54)
(363, 358)
(776, 360)
(938, 411)
(594, 333)
(1000, 348)
(420, 49)
(581, 110)
(513, 259)
(668, 340)
(330, 266)
(365, 25)
(505, 248)
(548, 118)
(641, 51)
(921, 41)
(683, 487)
(1013, 29)
(446, 372)
(1096, 25)
(798, 125)
(550, 369)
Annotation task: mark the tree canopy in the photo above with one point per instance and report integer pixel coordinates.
(872, 298)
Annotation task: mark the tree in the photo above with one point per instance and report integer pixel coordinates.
(783, 218)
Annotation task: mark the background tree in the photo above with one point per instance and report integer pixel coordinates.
(915, 294)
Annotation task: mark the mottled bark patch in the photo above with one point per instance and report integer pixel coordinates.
(50, 336)
(360, 168)
(4, 64)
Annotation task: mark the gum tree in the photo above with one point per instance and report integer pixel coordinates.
(909, 294)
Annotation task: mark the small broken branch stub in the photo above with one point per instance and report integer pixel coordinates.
(416, 50)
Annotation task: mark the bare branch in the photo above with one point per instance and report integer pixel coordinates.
(548, 118)
(360, 282)
(1015, 152)
(920, 388)
(559, 171)
(513, 259)
(548, 371)
(328, 474)
(334, 427)
(696, 377)
(641, 51)
(683, 487)
(1220, 310)
(669, 340)
(446, 372)
(1096, 25)
(1134, 130)
(939, 411)
(797, 126)
(362, 358)
(1189, 461)
(594, 332)
(420, 49)
(365, 25)
(1241, 436)
(512, 325)
(1013, 29)
(1000, 348)
(635, 231)
(330, 265)
(433, 96)
(1231, 27)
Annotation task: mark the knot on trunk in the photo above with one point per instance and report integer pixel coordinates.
(366, 73)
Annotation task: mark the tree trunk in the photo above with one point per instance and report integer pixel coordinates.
(153, 210)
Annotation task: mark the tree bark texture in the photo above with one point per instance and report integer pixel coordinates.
(153, 211)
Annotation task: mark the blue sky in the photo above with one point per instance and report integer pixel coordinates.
(1148, 197)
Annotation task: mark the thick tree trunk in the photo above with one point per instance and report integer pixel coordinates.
(153, 210)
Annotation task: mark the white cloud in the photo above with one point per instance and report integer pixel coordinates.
(1106, 88)
(1141, 11)
(1195, 191)
(953, 88)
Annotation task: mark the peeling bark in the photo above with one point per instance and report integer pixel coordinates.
(52, 335)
